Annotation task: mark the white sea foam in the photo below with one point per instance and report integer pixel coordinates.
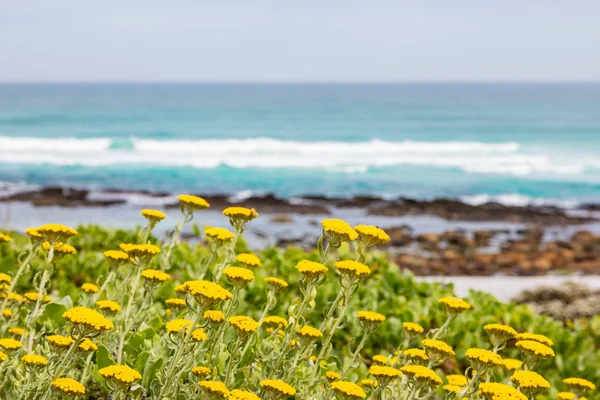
(514, 199)
(471, 157)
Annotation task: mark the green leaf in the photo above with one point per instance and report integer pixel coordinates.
(103, 357)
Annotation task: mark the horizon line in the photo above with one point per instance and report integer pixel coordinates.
(293, 82)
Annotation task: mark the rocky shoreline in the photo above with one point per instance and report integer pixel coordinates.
(448, 209)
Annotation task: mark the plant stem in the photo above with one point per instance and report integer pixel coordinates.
(38, 304)
(355, 353)
(22, 266)
(125, 326)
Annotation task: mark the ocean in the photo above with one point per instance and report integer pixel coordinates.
(513, 143)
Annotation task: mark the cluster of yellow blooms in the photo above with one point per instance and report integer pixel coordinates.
(203, 350)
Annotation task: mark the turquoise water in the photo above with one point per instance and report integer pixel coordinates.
(514, 143)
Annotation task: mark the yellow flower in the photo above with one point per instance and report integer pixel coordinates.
(417, 356)
(454, 305)
(190, 204)
(499, 333)
(68, 386)
(243, 325)
(4, 238)
(56, 232)
(500, 391)
(116, 257)
(17, 298)
(120, 374)
(457, 380)
(33, 296)
(154, 276)
(275, 321)
(183, 325)
(10, 344)
(511, 364)
(384, 374)
(348, 390)
(566, 395)
(33, 234)
(352, 268)
(153, 216)
(140, 253)
(337, 231)
(380, 359)
(90, 288)
(214, 316)
(237, 394)
(411, 327)
(535, 349)
(368, 383)
(310, 333)
(530, 383)
(3, 357)
(481, 359)
(88, 319)
(238, 216)
(579, 384)
(60, 249)
(311, 269)
(214, 388)
(248, 260)
(276, 284)
(422, 374)
(437, 347)
(452, 388)
(17, 331)
(175, 303)
(277, 389)
(219, 234)
(34, 360)
(370, 316)
(7, 313)
(239, 277)
(206, 293)
(59, 341)
(332, 376)
(201, 372)
(372, 235)
(5, 277)
(87, 346)
(536, 338)
(108, 305)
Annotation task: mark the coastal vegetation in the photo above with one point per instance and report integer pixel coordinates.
(93, 312)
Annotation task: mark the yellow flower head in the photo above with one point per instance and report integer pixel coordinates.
(87, 346)
(56, 232)
(369, 383)
(499, 333)
(337, 231)
(437, 347)
(457, 380)
(239, 277)
(17, 331)
(348, 390)
(352, 268)
(500, 391)
(90, 288)
(10, 344)
(579, 384)
(120, 374)
(566, 395)
(243, 325)
(191, 204)
(481, 359)
(5, 278)
(3, 357)
(332, 376)
(238, 216)
(108, 305)
(206, 293)
(34, 235)
(535, 349)
(277, 389)
(140, 253)
(372, 235)
(33, 296)
(424, 375)
(511, 364)
(60, 249)
(34, 360)
(452, 388)
(68, 386)
(384, 374)
(201, 372)
(154, 276)
(380, 359)
(276, 284)
(412, 328)
(153, 216)
(308, 332)
(214, 316)
(175, 303)
(274, 321)
(6, 313)
(248, 260)
(417, 356)
(219, 234)
(454, 305)
(60, 342)
(237, 394)
(536, 338)
(116, 257)
(178, 326)
(87, 319)
(370, 316)
(4, 238)
(17, 298)
(310, 269)
(530, 383)
(215, 389)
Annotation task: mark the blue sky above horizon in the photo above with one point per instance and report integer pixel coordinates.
(308, 41)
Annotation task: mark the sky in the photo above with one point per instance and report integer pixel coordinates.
(299, 41)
